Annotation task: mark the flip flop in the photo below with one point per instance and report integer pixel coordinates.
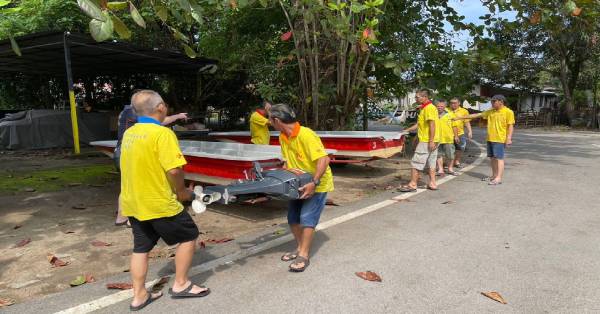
(439, 174)
(494, 182)
(453, 173)
(432, 189)
(289, 256)
(299, 259)
(143, 305)
(407, 189)
(486, 179)
(185, 293)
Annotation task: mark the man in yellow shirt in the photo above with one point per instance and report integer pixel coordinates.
(152, 187)
(461, 145)
(500, 121)
(427, 149)
(448, 135)
(259, 125)
(302, 149)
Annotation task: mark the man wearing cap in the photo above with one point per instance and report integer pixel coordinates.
(461, 144)
(500, 126)
(427, 149)
(259, 125)
(302, 149)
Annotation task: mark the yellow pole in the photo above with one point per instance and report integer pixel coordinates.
(72, 104)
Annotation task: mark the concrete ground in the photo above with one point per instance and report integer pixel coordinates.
(532, 239)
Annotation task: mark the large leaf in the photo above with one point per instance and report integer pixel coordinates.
(4, 3)
(189, 51)
(161, 12)
(137, 17)
(120, 27)
(14, 45)
(100, 30)
(117, 5)
(90, 8)
(264, 3)
(179, 35)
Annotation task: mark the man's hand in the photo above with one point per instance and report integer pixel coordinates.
(181, 116)
(307, 190)
(456, 140)
(508, 142)
(186, 195)
(470, 134)
(431, 146)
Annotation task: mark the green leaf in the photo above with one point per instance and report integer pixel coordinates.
(120, 27)
(161, 12)
(332, 6)
(197, 13)
(185, 5)
(189, 51)
(179, 35)
(91, 9)
(137, 17)
(389, 64)
(4, 3)
(80, 280)
(264, 3)
(14, 45)
(117, 5)
(100, 30)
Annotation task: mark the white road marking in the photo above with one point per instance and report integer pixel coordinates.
(228, 259)
(597, 145)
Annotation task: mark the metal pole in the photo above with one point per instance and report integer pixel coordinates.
(74, 125)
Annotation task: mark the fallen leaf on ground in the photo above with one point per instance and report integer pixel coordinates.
(119, 285)
(99, 243)
(56, 262)
(17, 227)
(6, 302)
(494, 296)
(22, 243)
(89, 278)
(78, 281)
(224, 240)
(278, 232)
(447, 202)
(68, 232)
(79, 206)
(330, 202)
(157, 287)
(369, 275)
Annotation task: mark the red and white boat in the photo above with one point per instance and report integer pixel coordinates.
(351, 146)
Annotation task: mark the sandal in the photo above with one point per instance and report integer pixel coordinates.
(440, 174)
(494, 182)
(486, 179)
(432, 189)
(453, 173)
(143, 305)
(185, 293)
(407, 189)
(289, 256)
(299, 259)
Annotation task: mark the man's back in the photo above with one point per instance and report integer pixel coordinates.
(148, 151)
(259, 128)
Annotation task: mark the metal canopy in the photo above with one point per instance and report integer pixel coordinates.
(44, 53)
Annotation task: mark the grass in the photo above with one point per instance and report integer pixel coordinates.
(57, 179)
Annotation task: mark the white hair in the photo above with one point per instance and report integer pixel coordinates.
(146, 101)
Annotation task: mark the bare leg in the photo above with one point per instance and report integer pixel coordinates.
(499, 170)
(457, 157)
(307, 234)
(297, 232)
(451, 165)
(138, 269)
(183, 261)
(414, 178)
(432, 183)
(494, 167)
(440, 165)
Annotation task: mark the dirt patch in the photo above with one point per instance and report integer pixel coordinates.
(65, 219)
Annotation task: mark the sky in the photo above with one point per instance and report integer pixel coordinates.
(472, 10)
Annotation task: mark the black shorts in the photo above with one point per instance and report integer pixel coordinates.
(176, 229)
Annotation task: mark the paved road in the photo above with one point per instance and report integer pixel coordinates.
(534, 239)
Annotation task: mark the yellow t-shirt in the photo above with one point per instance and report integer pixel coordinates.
(302, 150)
(445, 127)
(427, 114)
(460, 124)
(148, 151)
(259, 129)
(498, 122)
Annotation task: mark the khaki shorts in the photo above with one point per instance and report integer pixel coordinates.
(446, 151)
(423, 158)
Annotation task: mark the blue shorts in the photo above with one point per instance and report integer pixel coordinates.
(307, 212)
(462, 145)
(495, 150)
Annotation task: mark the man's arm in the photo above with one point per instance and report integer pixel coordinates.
(469, 130)
(309, 189)
(412, 128)
(509, 134)
(455, 130)
(470, 116)
(175, 117)
(177, 182)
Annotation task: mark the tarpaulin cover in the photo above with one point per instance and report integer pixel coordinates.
(38, 129)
